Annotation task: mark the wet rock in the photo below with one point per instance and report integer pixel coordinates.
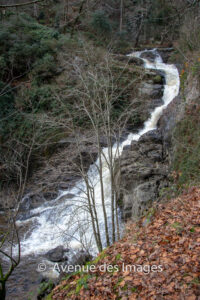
(57, 255)
(165, 53)
(151, 56)
(50, 195)
(26, 215)
(31, 201)
(63, 186)
(151, 90)
(127, 147)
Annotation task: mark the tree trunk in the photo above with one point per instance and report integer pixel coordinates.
(121, 16)
(35, 10)
(100, 247)
(3, 291)
(93, 218)
(77, 18)
(102, 191)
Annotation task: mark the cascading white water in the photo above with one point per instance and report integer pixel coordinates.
(67, 221)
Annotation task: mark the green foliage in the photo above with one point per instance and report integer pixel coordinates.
(44, 68)
(82, 282)
(48, 297)
(28, 54)
(100, 22)
(45, 288)
(23, 41)
(178, 226)
(38, 98)
(160, 13)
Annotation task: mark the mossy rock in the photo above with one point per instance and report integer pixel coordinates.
(158, 79)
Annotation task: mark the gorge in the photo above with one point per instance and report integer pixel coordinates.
(64, 222)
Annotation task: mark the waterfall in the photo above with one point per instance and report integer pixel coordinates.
(66, 221)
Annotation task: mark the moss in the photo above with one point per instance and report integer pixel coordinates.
(158, 79)
(118, 257)
(178, 226)
(118, 283)
(82, 283)
(134, 290)
(49, 297)
(101, 256)
(45, 288)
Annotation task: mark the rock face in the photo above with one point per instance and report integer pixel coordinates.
(145, 165)
(144, 172)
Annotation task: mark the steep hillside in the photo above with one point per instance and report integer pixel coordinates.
(157, 259)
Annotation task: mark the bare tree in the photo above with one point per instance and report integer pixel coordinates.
(19, 4)
(10, 239)
(96, 94)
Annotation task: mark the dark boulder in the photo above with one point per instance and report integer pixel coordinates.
(35, 200)
(57, 255)
(136, 61)
(130, 60)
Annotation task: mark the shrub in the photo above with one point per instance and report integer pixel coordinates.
(44, 68)
(187, 155)
(35, 99)
(190, 32)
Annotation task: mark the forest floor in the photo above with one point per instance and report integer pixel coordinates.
(159, 258)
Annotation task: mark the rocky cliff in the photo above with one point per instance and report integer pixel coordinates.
(147, 165)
